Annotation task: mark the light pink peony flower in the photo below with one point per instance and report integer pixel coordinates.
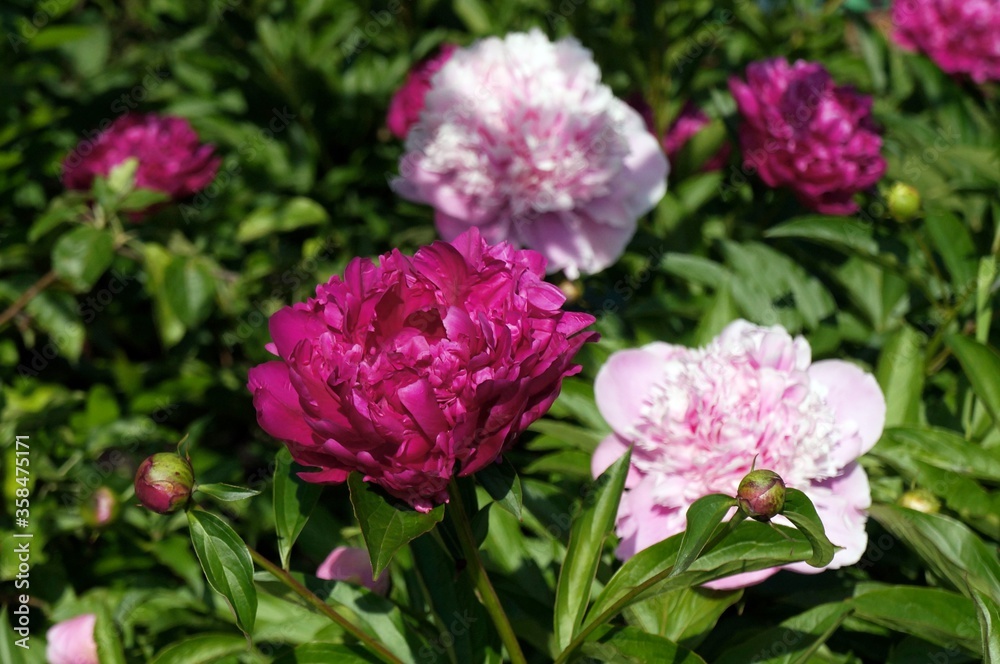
(354, 565)
(698, 417)
(801, 130)
(406, 104)
(417, 369)
(520, 139)
(171, 158)
(961, 36)
(72, 641)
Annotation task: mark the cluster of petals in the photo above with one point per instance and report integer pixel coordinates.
(416, 369)
(803, 131)
(72, 641)
(519, 138)
(960, 36)
(697, 419)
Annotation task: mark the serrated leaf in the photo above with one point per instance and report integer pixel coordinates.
(294, 501)
(504, 486)
(81, 256)
(202, 649)
(583, 553)
(227, 492)
(227, 565)
(387, 524)
(801, 512)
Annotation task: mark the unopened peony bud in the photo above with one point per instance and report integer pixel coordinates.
(163, 482)
(101, 509)
(571, 289)
(920, 500)
(72, 641)
(761, 494)
(351, 564)
(904, 202)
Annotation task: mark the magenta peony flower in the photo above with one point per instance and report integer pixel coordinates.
(520, 139)
(961, 36)
(406, 104)
(171, 159)
(802, 131)
(418, 368)
(72, 641)
(354, 565)
(698, 417)
(692, 120)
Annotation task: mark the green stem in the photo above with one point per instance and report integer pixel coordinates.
(627, 598)
(488, 596)
(823, 638)
(323, 607)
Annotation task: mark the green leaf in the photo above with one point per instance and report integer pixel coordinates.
(168, 324)
(801, 512)
(227, 565)
(9, 651)
(703, 519)
(109, 645)
(685, 615)
(695, 268)
(226, 492)
(504, 486)
(941, 448)
(189, 287)
(846, 234)
(938, 616)
(202, 649)
(989, 623)
(81, 256)
(583, 554)
(982, 366)
(474, 14)
(948, 547)
(628, 645)
(58, 314)
(784, 643)
(387, 524)
(141, 199)
(324, 653)
(298, 212)
(900, 373)
(952, 240)
(294, 501)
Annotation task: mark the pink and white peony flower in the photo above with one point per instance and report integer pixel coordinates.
(519, 138)
(697, 418)
(354, 565)
(419, 368)
(72, 641)
(803, 131)
(960, 36)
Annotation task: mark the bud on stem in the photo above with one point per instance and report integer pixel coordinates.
(761, 494)
(164, 482)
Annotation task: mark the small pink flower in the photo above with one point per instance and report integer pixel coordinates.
(418, 369)
(961, 36)
(72, 641)
(171, 158)
(519, 138)
(406, 104)
(698, 418)
(354, 565)
(684, 127)
(801, 130)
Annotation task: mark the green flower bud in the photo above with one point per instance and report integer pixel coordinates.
(904, 202)
(920, 500)
(163, 482)
(761, 494)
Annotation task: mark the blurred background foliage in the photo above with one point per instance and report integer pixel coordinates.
(124, 355)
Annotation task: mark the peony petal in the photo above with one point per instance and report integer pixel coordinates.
(277, 403)
(608, 451)
(622, 386)
(856, 399)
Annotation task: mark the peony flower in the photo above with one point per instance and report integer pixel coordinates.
(354, 565)
(520, 139)
(800, 130)
(171, 158)
(417, 369)
(697, 418)
(960, 36)
(406, 104)
(684, 127)
(72, 641)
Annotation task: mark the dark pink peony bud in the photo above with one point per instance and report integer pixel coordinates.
(101, 509)
(164, 482)
(354, 565)
(171, 158)
(406, 104)
(72, 641)
(761, 494)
